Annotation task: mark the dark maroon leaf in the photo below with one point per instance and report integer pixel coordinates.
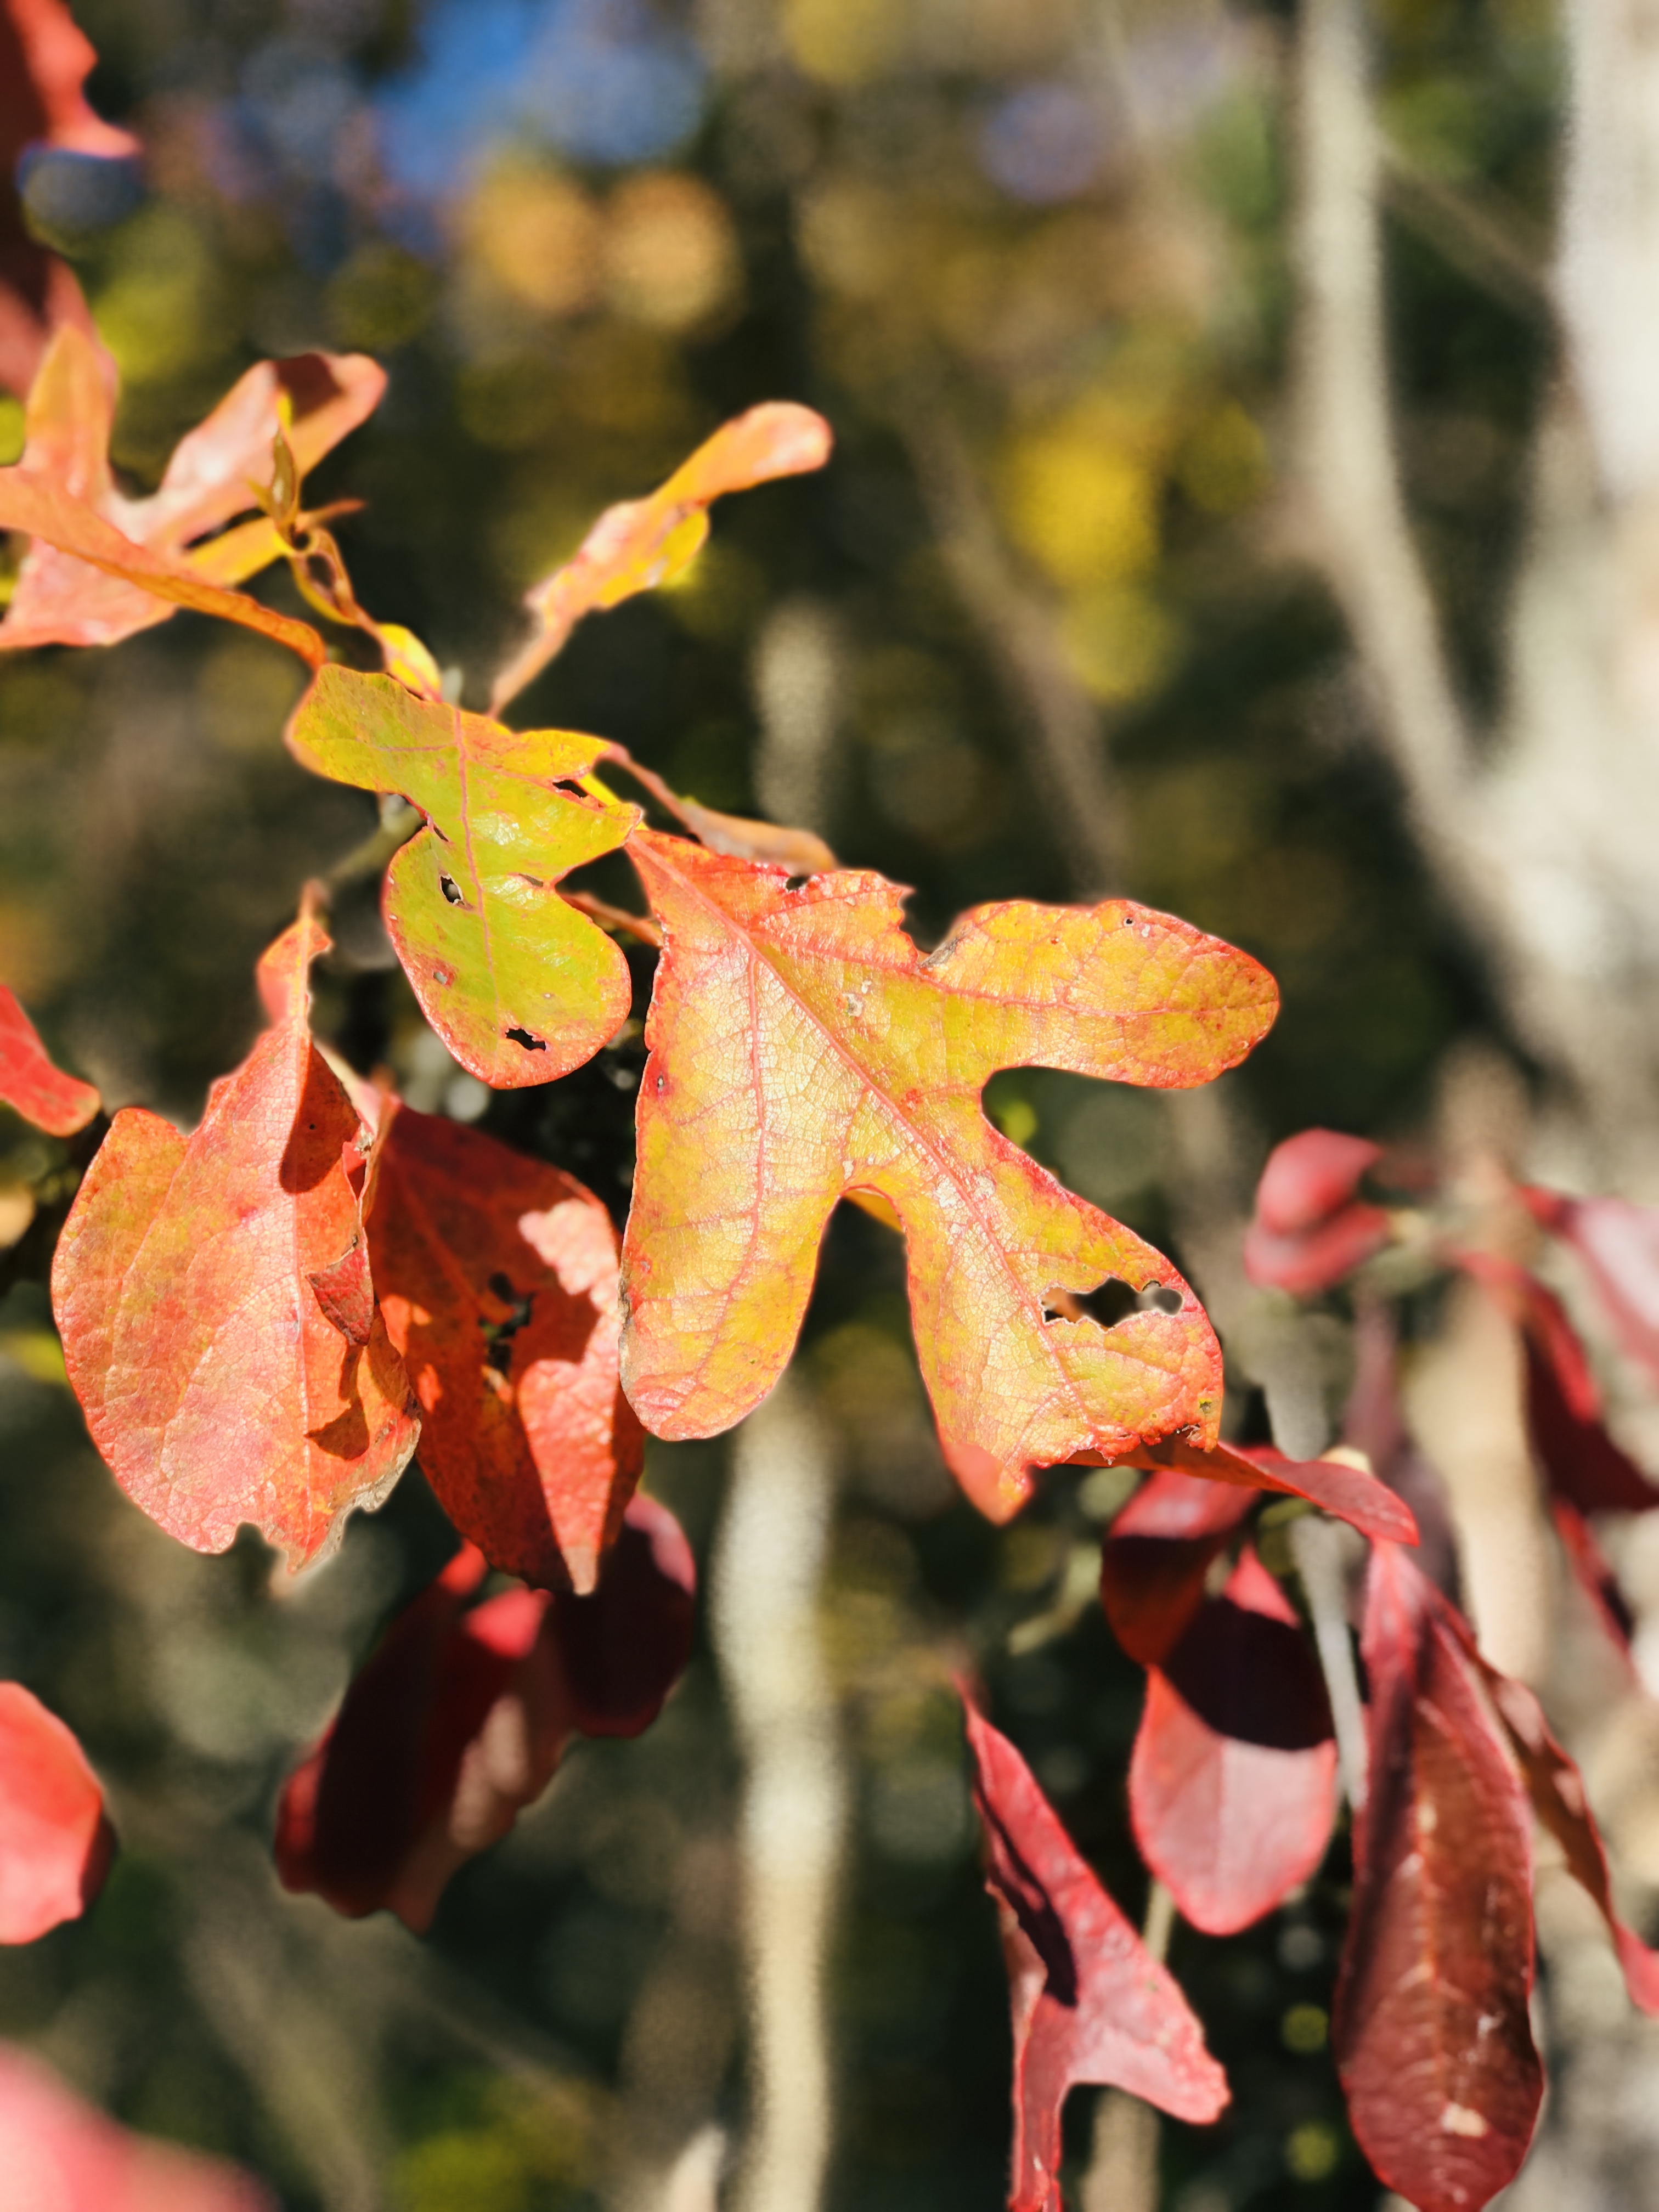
(1431, 2032)
(1157, 1554)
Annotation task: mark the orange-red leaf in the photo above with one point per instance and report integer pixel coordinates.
(459, 1719)
(215, 1381)
(55, 1841)
(29, 1084)
(497, 1276)
(802, 1049)
(142, 551)
(1090, 2001)
(647, 542)
(519, 985)
(1232, 1783)
(1310, 1229)
(1431, 2030)
(60, 2154)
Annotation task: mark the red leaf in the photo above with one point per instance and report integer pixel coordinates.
(59, 2155)
(1594, 1575)
(1090, 2003)
(1619, 1244)
(459, 1719)
(1310, 1177)
(1313, 1259)
(44, 61)
(214, 1380)
(55, 1843)
(1583, 1465)
(1232, 1784)
(1347, 1491)
(1157, 1554)
(1431, 2032)
(1557, 1790)
(527, 1440)
(58, 1104)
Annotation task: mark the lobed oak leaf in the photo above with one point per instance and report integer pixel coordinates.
(44, 57)
(647, 542)
(1431, 2027)
(460, 1720)
(1090, 2003)
(220, 1382)
(1233, 1781)
(58, 2154)
(29, 1082)
(56, 1844)
(142, 555)
(802, 1049)
(497, 1277)
(1156, 1555)
(520, 986)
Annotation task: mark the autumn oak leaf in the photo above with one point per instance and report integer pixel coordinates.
(56, 1843)
(104, 566)
(1233, 1781)
(520, 986)
(31, 1085)
(203, 1291)
(1431, 2027)
(1090, 2001)
(647, 542)
(497, 1277)
(803, 1049)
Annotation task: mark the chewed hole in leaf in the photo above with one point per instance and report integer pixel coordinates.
(796, 882)
(451, 891)
(529, 1043)
(500, 1333)
(1109, 1303)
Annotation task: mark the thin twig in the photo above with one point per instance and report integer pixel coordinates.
(1316, 1548)
(615, 917)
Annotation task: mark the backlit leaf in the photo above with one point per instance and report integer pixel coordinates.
(55, 1841)
(58, 2154)
(497, 1276)
(520, 986)
(647, 542)
(1090, 2003)
(1431, 2030)
(29, 1084)
(1156, 1555)
(459, 1719)
(204, 1288)
(143, 550)
(802, 1048)
(1232, 1784)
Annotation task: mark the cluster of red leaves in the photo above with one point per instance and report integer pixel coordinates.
(1432, 2030)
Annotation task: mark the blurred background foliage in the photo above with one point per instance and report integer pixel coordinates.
(1044, 628)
